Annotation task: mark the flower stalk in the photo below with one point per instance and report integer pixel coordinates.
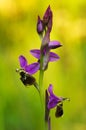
(41, 75)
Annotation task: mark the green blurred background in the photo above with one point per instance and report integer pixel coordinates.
(20, 107)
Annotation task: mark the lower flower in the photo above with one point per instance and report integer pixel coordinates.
(26, 72)
(55, 101)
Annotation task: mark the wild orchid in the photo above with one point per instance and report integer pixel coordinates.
(44, 55)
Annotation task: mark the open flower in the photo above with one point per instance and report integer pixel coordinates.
(47, 55)
(52, 56)
(52, 45)
(25, 77)
(34, 67)
(46, 58)
(26, 72)
(53, 100)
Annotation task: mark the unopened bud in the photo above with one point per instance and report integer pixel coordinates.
(39, 26)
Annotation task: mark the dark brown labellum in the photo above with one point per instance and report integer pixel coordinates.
(59, 110)
(26, 78)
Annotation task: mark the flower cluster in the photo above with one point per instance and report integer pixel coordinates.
(44, 27)
(44, 55)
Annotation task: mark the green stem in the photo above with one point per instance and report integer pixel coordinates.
(41, 87)
(46, 126)
(41, 75)
(36, 86)
(42, 90)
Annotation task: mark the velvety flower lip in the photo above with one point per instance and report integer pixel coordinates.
(53, 100)
(54, 44)
(52, 57)
(32, 68)
(23, 61)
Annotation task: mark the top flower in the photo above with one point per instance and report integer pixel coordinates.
(47, 18)
(46, 23)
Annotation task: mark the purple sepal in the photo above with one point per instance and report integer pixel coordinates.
(35, 53)
(53, 100)
(32, 68)
(23, 61)
(53, 57)
(54, 44)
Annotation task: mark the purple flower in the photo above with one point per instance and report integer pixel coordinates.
(52, 56)
(40, 27)
(53, 100)
(37, 53)
(29, 68)
(47, 55)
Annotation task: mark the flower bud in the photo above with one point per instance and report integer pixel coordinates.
(46, 16)
(39, 26)
(47, 19)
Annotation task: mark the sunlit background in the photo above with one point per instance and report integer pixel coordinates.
(20, 107)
